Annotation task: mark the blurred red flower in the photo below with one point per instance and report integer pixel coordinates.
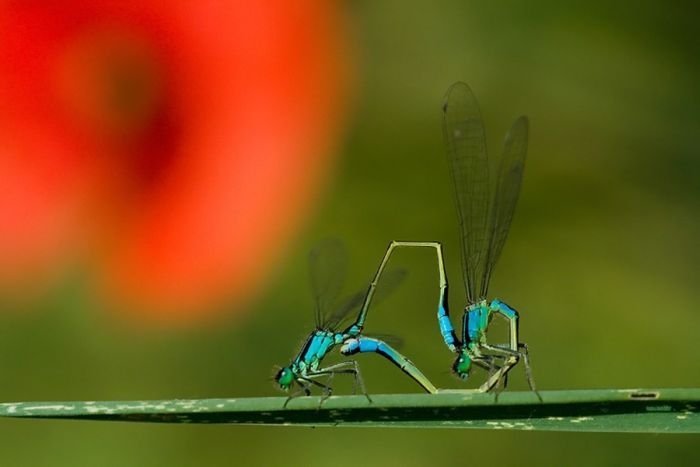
(171, 145)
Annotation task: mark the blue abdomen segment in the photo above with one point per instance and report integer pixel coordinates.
(511, 315)
(504, 309)
(446, 328)
(369, 344)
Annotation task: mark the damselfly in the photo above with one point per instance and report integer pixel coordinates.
(484, 226)
(327, 263)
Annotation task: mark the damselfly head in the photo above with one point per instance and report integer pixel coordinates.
(284, 378)
(462, 366)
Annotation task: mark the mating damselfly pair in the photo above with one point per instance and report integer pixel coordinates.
(484, 224)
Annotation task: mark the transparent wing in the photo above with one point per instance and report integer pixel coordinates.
(510, 177)
(343, 311)
(467, 159)
(390, 280)
(327, 267)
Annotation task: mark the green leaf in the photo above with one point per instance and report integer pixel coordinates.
(610, 410)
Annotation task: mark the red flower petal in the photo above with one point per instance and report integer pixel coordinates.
(185, 140)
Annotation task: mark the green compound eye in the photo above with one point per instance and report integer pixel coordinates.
(284, 378)
(462, 366)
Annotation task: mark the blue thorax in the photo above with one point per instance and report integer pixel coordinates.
(475, 322)
(317, 345)
(477, 317)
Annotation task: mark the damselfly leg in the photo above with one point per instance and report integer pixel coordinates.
(347, 367)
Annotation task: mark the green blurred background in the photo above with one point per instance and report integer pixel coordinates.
(601, 262)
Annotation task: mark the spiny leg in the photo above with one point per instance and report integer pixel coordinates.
(484, 366)
(523, 353)
(511, 315)
(499, 351)
(331, 374)
(304, 389)
(358, 380)
(486, 362)
(511, 359)
(496, 378)
(528, 369)
(327, 389)
(504, 351)
(342, 367)
(304, 382)
(500, 386)
(500, 381)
